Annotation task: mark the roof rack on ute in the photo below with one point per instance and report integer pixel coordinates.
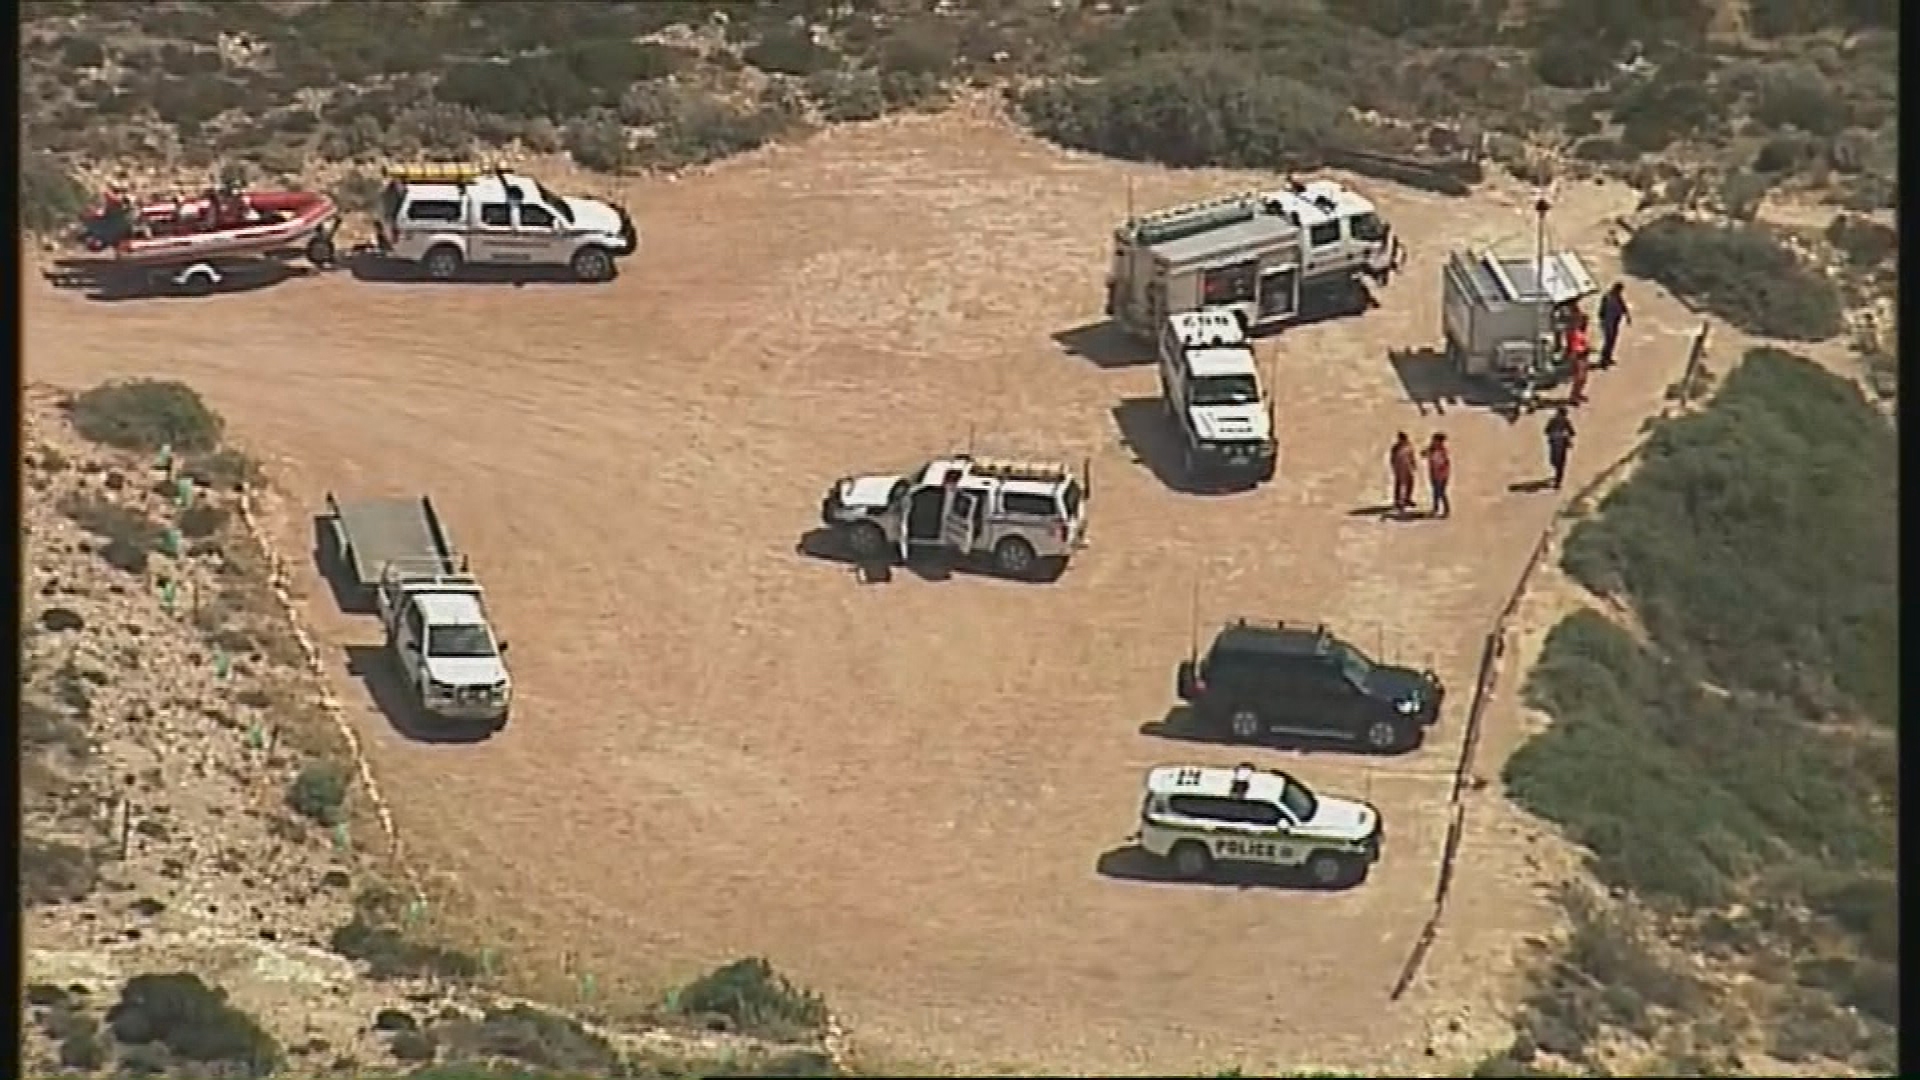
(440, 172)
(1244, 622)
(1007, 469)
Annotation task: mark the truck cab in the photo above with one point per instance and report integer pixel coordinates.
(446, 217)
(1215, 398)
(1025, 518)
(1342, 235)
(437, 627)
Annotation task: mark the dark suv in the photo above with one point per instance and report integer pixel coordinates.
(1264, 679)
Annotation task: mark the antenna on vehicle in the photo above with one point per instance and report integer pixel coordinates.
(970, 429)
(1193, 621)
(1129, 198)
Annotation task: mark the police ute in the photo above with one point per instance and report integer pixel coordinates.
(1215, 399)
(443, 218)
(1025, 518)
(1197, 817)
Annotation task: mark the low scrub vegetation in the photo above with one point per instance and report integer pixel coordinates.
(1740, 273)
(754, 999)
(193, 1023)
(147, 415)
(1731, 769)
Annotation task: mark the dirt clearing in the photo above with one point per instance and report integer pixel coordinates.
(899, 792)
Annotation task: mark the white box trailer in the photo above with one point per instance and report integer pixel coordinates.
(1496, 314)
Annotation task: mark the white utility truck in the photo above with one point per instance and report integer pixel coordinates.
(1027, 518)
(1198, 817)
(443, 218)
(1210, 384)
(1255, 254)
(394, 555)
(1498, 315)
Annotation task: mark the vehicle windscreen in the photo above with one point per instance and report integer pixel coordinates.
(1368, 228)
(558, 202)
(1354, 665)
(460, 642)
(899, 490)
(1299, 801)
(1225, 390)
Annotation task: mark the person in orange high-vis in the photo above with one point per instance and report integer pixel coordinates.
(1577, 358)
(1439, 473)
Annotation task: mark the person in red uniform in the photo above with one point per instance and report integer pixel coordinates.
(1401, 460)
(1577, 357)
(1439, 472)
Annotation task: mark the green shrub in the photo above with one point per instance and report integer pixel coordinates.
(189, 103)
(1866, 244)
(920, 47)
(846, 96)
(390, 954)
(756, 999)
(1601, 148)
(705, 129)
(192, 1020)
(81, 52)
(202, 519)
(1572, 64)
(50, 197)
(598, 141)
(54, 872)
(1739, 273)
(1191, 110)
(1800, 97)
(1782, 154)
(319, 793)
(147, 414)
(1580, 120)
(1758, 539)
(535, 1037)
(790, 50)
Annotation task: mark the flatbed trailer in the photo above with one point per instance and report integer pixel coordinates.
(372, 538)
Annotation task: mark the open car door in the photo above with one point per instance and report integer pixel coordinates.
(957, 531)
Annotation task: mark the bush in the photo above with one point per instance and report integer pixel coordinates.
(189, 103)
(1739, 273)
(846, 96)
(81, 52)
(1192, 110)
(1602, 149)
(706, 129)
(389, 954)
(789, 50)
(319, 793)
(1781, 154)
(110, 521)
(599, 142)
(146, 415)
(50, 197)
(922, 47)
(52, 872)
(202, 520)
(756, 999)
(1572, 64)
(192, 1020)
(1800, 97)
(1867, 244)
(536, 1037)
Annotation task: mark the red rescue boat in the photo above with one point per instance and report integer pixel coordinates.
(218, 225)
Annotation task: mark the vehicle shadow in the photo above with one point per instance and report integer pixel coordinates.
(1329, 304)
(1104, 345)
(374, 666)
(111, 286)
(1433, 384)
(1145, 430)
(1132, 863)
(348, 597)
(1181, 725)
(370, 266)
(828, 545)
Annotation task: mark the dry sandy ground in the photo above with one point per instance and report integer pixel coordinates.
(898, 792)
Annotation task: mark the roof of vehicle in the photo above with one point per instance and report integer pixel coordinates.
(1222, 781)
(1035, 477)
(1209, 363)
(1206, 328)
(1261, 231)
(450, 608)
(1319, 201)
(1273, 638)
(487, 187)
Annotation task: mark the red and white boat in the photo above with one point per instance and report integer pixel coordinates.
(214, 227)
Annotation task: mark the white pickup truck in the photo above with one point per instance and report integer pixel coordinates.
(444, 218)
(396, 554)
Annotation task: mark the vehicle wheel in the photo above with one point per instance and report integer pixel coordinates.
(320, 252)
(1330, 870)
(500, 723)
(443, 263)
(1244, 723)
(1013, 557)
(867, 541)
(1384, 735)
(1191, 860)
(592, 264)
(1187, 466)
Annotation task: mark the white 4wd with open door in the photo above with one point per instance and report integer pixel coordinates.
(1026, 518)
(1198, 816)
(443, 218)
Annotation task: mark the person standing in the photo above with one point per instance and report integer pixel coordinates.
(1578, 351)
(1439, 472)
(1559, 442)
(1401, 461)
(1613, 315)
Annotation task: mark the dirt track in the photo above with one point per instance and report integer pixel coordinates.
(899, 792)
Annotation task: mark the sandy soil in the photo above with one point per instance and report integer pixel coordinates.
(899, 792)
